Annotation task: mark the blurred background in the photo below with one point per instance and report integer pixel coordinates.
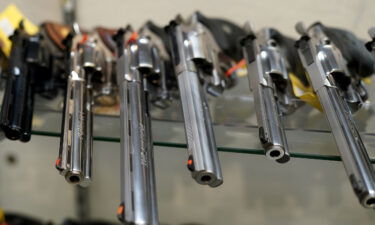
(255, 190)
(356, 16)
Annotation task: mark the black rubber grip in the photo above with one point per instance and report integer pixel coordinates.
(226, 34)
(161, 33)
(359, 60)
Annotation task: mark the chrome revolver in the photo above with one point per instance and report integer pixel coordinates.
(327, 55)
(268, 72)
(200, 64)
(138, 61)
(88, 58)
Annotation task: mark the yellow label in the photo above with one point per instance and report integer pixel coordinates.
(241, 72)
(2, 217)
(367, 80)
(10, 19)
(306, 94)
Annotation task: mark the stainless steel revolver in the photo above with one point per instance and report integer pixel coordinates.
(331, 78)
(268, 73)
(200, 65)
(137, 61)
(88, 57)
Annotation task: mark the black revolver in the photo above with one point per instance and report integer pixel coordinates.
(35, 66)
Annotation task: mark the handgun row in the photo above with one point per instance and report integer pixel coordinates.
(189, 59)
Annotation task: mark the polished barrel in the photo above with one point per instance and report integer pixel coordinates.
(139, 203)
(77, 130)
(262, 63)
(323, 61)
(75, 154)
(188, 49)
(88, 150)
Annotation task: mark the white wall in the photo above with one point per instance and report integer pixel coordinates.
(353, 15)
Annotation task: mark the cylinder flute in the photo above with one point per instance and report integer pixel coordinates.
(138, 190)
(324, 63)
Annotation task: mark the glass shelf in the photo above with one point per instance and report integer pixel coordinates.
(235, 127)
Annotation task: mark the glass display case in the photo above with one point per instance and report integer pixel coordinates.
(234, 121)
(311, 187)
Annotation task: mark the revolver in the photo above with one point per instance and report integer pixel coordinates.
(335, 60)
(35, 66)
(269, 62)
(199, 50)
(88, 59)
(18, 101)
(138, 65)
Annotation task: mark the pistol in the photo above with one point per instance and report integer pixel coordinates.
(200, 62)
(75, 143)
(268, 66)
(18, 101)
(35, 67)
(335, 60)
(86, 59)
(138, 63)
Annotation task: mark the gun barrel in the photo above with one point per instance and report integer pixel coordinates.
(87, 153)
(348, 140)
(75, 155)
(18, 101)
(77, 130)
(322, 61)
(139, 203)
(203, 159)
(271, 131)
